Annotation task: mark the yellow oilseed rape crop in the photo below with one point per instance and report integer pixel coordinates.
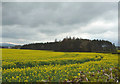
(20, 65)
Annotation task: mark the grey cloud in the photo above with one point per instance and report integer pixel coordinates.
(17, 32)
(44, 21)
(34, 14)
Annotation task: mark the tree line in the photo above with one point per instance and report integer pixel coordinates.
(74, 45)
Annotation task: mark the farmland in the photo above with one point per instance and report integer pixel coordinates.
(20, 65)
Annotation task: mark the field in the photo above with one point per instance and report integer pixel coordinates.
(39, 65)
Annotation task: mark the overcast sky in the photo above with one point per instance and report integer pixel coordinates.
(28, 22)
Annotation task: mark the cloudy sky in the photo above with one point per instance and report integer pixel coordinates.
(28, 22)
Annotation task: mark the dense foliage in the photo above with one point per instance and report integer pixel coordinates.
(38, 65)
(74, 45)
(107, 75)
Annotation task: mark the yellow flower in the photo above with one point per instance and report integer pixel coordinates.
(17, 76)
(27, 77)
(78, 73)
(26, 81)
(12, 77)
(75, 76)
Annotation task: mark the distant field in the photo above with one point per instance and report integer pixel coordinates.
(37, 65)
(118, 51)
